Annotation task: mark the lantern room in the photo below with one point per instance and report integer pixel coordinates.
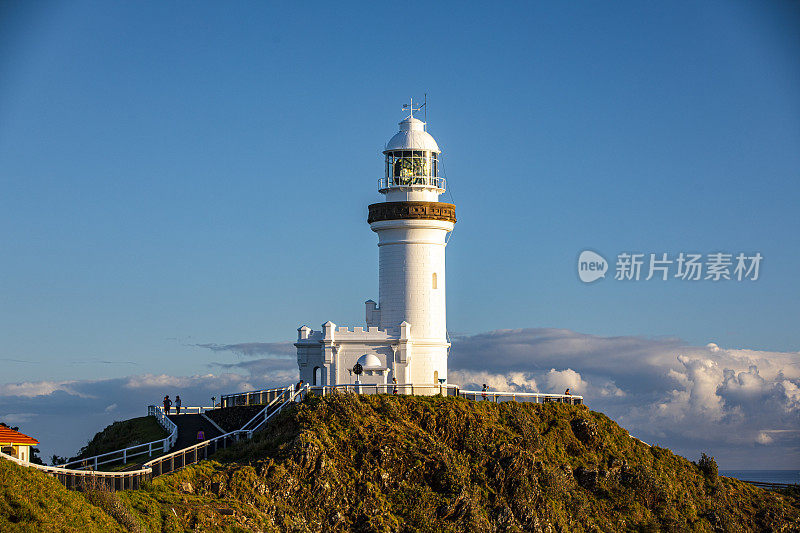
(412, 160)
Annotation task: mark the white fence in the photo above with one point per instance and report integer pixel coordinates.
(411, 181)
(371, 388)
(287, 394)
(277, 399)
(450, 390)
(132, 452)
(83, 479)
(76, 479)
(197, 452)
(535, 397)
(261, 397)
(256, 397)
(190, 410)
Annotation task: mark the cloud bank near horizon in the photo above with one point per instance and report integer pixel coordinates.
(251, 349)
(738, 404)
(742, 405)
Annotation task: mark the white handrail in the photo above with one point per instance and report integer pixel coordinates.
(236, 434)
(265, 411)
(166, 423)
(62, 470)
(124, 454)
(192, 410)
(226, 398)
(449, 390)
(182, 451)
(388, 388)
(411, 181)
(69, 477)
(299, 392)
(147, 468)
(496, 395)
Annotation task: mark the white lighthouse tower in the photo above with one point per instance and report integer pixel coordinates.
(412, 227)
(406, 335)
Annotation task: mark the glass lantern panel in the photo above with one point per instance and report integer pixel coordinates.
(421, 165)
(403, 169)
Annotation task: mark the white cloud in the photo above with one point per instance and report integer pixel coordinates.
(37, 388)
(792, 393)
(689, 398)
(559, 381)
(251, 349)
(513, 381)
(764, 438)
(16, 418)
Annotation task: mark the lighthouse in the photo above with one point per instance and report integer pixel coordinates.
(405, 340)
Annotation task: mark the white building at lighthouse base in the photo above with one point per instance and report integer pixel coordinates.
(405, 340)
(327, 356)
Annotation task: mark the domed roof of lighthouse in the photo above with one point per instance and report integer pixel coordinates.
(412, 134)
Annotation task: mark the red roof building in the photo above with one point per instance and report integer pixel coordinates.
(9, 436)
(15, 443)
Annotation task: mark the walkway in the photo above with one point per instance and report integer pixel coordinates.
(188, 426)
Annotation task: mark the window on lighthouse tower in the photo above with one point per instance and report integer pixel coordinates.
(434, 281)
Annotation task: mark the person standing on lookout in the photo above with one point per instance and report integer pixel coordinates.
(178, 404)
(483, 392)
(167, 404)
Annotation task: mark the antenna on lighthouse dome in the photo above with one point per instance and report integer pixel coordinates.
(411, 107)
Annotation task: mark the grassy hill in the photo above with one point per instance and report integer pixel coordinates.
(33, 501)
(123, 434)
(385, 463)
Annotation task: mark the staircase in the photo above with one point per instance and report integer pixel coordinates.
(188, 426)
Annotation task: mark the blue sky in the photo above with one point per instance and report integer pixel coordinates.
(182, 174)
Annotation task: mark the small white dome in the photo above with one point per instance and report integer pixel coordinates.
(412, 136)
(369, 361)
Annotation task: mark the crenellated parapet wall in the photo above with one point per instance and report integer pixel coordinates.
(327, 356)
(333, 333)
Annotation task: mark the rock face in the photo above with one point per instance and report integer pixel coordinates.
(393, 463)
(584, 430)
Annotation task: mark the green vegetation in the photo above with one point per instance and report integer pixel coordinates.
(123, 434)
(33, 501)
(395, 463)
(385, 463)
(708, 466)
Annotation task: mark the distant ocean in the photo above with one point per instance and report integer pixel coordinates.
(767, 476)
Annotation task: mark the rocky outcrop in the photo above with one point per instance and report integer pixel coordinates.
(386, 463)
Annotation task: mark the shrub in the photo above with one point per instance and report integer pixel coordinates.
(708, 466)
(99, 495)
